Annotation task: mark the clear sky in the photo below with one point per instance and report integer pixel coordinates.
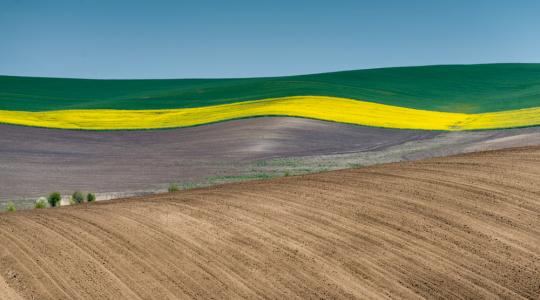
(179, 39)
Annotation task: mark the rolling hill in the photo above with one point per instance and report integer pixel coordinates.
(454, 97)
(452, 88)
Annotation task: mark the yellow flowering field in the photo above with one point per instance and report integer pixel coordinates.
(317, 107)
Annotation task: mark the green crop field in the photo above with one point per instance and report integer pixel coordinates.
(451, 88)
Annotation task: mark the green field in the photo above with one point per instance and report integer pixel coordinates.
(450, 88)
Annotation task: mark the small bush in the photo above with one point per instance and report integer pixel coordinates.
(54, 199)
(287, 174)
(90, 197)
(77, 197)
(11, 206)
(41, 203)
(173, 188)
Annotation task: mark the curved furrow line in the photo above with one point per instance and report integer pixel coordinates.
(73, 240)
(13, 264)
(228, 265)
(476, 172)
(472, 209)
(240, 219)
(124, 254)
(38, 261)
(420, 242)
(511, 198)
(341, 245)
(162, 250)
(78, 242)
(279, 232)
(245, 221)
(196, 249)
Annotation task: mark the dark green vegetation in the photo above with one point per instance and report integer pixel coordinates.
(453, 88)
(90, 197)
(78, 197)
(54, 199)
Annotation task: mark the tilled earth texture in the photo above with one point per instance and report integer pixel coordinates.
(463, 226)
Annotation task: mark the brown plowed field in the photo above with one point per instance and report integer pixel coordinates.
(466, 226)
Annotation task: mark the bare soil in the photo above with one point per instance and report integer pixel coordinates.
(37, 161)
(460, 227)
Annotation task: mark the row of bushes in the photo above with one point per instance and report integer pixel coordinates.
(53, 200)
(78, 197)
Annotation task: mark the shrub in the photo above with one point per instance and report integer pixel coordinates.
(10, 206)
(78, 197)
(41, 203)
(173, 188)
(286, 174)
(90, 197)
(54, 199)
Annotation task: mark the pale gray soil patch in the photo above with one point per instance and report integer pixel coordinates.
(36, 161)
(443, 144)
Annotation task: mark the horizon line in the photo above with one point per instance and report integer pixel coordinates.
(279, 76)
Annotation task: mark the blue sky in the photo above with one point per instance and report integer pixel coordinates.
(187, 39)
